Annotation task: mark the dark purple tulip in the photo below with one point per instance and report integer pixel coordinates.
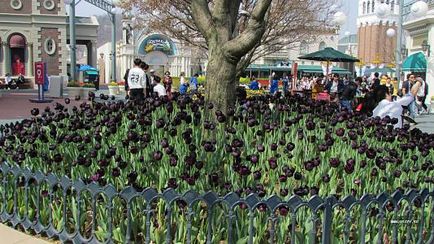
(272, 162)
(244, 171)
(34, 111)
(57, 158)
(257, 175)
(168, 150)
(157, 155)
(172, 183)
(67, 100)
(310, 125)
(116, 172)
(254, 159)
(284, 192)
(334, 162)
(273, 146)
(290, 146)
(298, 176)
(340, 132)
(213, 179)
(283, 211)
(283, 178)
(326, 178)
(260, 148)
(349, 168)
(374, 172)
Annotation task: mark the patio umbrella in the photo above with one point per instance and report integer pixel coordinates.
(329, 54)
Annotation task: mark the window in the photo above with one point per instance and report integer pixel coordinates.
(49, 4)
(368, 8)
(304, 48)
(322, 45)
(50, 46)
(373, 6)
(364, 7)
(16, 4)
(392, 6)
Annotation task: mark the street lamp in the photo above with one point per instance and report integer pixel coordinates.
(112, 10)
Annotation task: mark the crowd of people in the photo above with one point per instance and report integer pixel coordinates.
(140, 82)
(378, 95)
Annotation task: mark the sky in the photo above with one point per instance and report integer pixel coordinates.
(349, 7)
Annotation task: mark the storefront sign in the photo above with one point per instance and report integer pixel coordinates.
(157, 42)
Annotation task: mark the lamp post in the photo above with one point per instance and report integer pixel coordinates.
(112, 10)
(72, 42)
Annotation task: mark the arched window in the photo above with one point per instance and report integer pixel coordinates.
(392, 6)
(368, 8)
(17, 44)
(304, 48)
(387, 2)
(322, 45)
(373, 6)
(364, 7)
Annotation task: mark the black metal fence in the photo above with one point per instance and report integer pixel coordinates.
(24, 195)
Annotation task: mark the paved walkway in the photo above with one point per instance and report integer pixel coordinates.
(11, 236)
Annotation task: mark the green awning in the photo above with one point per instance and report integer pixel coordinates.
(318, 69)
(92, 72)
(301, 68)
(415, 63)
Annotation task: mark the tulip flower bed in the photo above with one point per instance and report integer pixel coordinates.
(292, 147)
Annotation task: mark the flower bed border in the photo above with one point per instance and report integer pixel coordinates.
(316, 204)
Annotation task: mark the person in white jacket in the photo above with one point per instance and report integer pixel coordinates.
(137, 81)
(393, 109)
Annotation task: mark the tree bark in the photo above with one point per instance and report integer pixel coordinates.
(221, 82)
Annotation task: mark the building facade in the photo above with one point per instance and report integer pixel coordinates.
(420, 39)
(37, 30)
(159, 51)
(375, 48)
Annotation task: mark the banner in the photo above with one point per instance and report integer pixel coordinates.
(39, 73)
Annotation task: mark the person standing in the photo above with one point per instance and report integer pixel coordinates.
(274, 83)
(421, 96)
(136, 81)
(395, 88)
(406, 87)
(347, 96)
(152, 76)
(375, 81)
(390, 88)
(285, 80)
(254, 84)
(334, 88)
(159, 88)
(168, 84)
(148, 90)
(182, 79)
(194, 83)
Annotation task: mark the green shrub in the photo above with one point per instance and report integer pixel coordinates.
(244, 80)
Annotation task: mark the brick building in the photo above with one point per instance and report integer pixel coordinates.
(37, 30)
(375, 48)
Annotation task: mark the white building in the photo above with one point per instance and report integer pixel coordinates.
(420, 45)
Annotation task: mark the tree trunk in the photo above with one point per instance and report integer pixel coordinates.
(220, 81)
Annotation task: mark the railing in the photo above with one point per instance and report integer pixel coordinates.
(25, 187)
